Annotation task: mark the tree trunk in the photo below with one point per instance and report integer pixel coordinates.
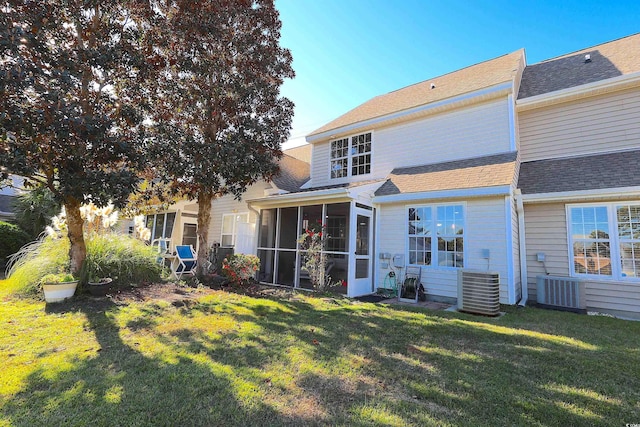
(204, 219)
(78, 250)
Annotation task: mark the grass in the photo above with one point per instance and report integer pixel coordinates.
(228, 359)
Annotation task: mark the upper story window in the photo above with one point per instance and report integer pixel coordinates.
(351, 156)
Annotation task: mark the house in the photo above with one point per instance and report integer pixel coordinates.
(425, 175)
(8, 195)
(527, 172)
(579, 121)
(233, 222)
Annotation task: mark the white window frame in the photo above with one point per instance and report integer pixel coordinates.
(351, 154)
(614, 241)
(164, 226)
(234, 232)
(435, 261)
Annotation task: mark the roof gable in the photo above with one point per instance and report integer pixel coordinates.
(292, 175)
(608, 60)
(480, 76)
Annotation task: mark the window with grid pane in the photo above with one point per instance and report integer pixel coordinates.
(628, 218)
(450, 231)
(591, 240)
(361, 154)
(339, 158)
(420, 236)
(436, 235)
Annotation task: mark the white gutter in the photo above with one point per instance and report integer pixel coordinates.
(495, 91)
(604, 193)
(330, 193)
(523, 249)
(501, 190)
(602, 86)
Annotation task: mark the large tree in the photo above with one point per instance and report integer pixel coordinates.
(72, 76)
(219, 113)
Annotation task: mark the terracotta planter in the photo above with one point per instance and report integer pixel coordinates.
(57, 292)
(101, 288)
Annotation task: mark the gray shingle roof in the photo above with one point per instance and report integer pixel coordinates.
(466, 80)
(596, 172)
(293, 174)
(608, 60)
(478, 172)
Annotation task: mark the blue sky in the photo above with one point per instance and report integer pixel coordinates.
(345, 52)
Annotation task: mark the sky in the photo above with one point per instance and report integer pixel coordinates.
(346, 52)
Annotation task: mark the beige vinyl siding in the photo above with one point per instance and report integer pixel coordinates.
(546, 231)
(227, 204)
(475, 131)
(593, 125)
(485, 229)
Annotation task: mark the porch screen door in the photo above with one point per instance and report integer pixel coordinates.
(362, 283)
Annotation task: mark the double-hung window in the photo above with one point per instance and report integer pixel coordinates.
(436, 235)
(351, 156)
(605, 240)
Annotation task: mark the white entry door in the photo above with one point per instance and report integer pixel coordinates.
(360, 282)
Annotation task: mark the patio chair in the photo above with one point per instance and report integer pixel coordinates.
(162, 246)
(185, 261)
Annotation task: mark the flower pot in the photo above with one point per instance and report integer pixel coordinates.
(57, 292)
(100, 288)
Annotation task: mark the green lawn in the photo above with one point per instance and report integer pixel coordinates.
(228, 359)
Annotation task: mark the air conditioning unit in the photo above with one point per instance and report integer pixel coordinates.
(564, 293)
(479, 292)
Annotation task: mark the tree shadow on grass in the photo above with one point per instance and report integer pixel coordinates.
(122, 385)
(280, 362)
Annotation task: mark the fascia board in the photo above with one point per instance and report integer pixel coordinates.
(602, 86)
(501, 190)
(624, 192)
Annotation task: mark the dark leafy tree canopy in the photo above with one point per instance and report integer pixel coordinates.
(218, 108)
(218, 112)
(72, 98)
(70, 88)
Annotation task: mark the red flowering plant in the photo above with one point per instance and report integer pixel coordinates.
(313, 242)
(239, 269)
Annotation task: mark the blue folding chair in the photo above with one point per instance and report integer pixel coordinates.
(186, 260)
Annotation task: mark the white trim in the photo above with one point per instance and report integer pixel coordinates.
(524, 279)
(307, 196)
(511, 278)
(434, 235)
(614, 242)
(350, 157)
(234, 231)
(601, 86)
(499, 190)
(495, 90)
(512, 123)
(582, 194)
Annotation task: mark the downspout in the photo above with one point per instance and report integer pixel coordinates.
(523, 249)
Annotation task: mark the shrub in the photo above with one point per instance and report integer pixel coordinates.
(34, 209)
(12, 238)
(110, 255)
(32, 262)
(240, 268)
(124, 259)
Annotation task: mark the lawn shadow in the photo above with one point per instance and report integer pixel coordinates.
(122, 385)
